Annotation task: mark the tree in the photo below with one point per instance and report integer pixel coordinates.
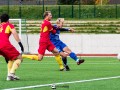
(97, 2)
(84, 2)
(87, 2)
(65, 1)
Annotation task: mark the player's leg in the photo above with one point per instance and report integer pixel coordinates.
(40, 57)
(9, 65)
(73, 55)
(58, 58)
(53, 49)
(64, 59)
(41, 51)
(10, 53)
(60, 45)
(64, 48)
(62, 54)
(31, 57)
(14, 67)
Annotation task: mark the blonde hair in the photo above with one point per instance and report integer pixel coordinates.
(59, 20)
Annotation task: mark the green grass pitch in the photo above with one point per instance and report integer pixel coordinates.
(33, 73)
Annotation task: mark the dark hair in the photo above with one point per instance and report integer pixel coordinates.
(4, 17)
(46, 13)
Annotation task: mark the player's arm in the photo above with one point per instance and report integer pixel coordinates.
(65, 29)
(52, 29)
(15, 35)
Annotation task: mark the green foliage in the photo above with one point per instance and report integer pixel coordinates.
(65, 11)
(106, 2)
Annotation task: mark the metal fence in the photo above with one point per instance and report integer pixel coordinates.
(34, 9)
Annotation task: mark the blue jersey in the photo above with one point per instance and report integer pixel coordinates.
(55, 39)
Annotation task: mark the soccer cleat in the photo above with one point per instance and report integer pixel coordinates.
(12, 77)
(80, 61)
(67, 68)
(63, 69)
(16, 77)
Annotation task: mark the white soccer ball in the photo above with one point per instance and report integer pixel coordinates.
(118, 56)
(53, 86)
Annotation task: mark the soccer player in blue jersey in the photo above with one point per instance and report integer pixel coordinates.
(61, 46)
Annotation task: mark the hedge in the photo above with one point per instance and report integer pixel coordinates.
(65, 11)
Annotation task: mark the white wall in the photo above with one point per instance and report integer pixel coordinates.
(79, 43)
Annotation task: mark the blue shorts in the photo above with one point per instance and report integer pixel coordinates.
(60, 45)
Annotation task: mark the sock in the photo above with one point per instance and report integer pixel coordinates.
(32, 57)
(59, 61)
(64, 59)
(9, 65)
(15, 65)
(73, 56)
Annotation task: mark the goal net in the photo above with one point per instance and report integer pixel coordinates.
(20, 25)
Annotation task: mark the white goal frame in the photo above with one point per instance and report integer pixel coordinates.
(20, 25)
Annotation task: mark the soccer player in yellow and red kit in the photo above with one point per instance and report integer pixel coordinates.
(7, 50)
(45, 43)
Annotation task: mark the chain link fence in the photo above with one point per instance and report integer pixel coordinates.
(34, 9)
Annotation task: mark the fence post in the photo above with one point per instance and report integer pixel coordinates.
(46, 9)
(43, 6)
(116, 11)
(8, 6)
(94, 11)
(59, 11)
(20, 3)
(72, 9)
(79, 9)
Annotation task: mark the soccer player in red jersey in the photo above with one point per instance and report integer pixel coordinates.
(7, 50)
(45, 43)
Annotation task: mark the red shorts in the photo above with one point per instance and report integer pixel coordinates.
(45, 45)
(9, 52)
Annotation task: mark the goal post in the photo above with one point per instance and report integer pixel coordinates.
(19, 22)
(20, 25)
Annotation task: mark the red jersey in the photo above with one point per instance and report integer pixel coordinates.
(5, 32)
(46, 27)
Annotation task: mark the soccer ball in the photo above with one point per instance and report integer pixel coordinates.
(53, 86)
(118, 56)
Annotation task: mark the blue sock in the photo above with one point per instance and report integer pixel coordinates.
(73, 56)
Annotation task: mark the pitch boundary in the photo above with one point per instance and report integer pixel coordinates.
(80, 81)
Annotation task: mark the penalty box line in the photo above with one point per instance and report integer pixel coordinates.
(80, 81)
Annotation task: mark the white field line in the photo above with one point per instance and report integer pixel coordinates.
(80, 81)
(72, 63)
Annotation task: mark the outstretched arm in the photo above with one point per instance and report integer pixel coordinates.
(65, 29)
(15, 35)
